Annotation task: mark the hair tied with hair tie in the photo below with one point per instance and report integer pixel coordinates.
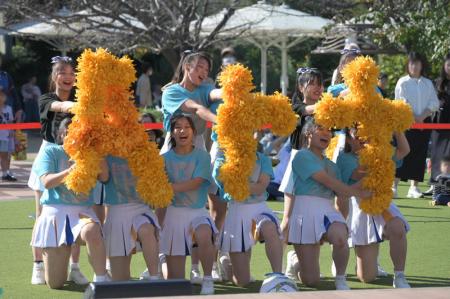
(57, 59)
(306, 70)
(350, 51)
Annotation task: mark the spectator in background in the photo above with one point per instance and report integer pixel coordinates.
(143, 87)
(348, 48)
(418, 92)
(440, 139)
(383, 84)
(441, 192)
(12, 99)
(156, 96)
(30, 94)
(7, 144)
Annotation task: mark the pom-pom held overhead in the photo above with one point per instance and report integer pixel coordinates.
(241, 114)
(376, 119)
(106, 122)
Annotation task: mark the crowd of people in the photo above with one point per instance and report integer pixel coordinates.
(321, 196)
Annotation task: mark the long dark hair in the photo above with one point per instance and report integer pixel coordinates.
(414, 57)
(442, 81)
(308, 128)
(56, 68)
(173, 122)
(304, 78)
(343, 61)
(189, 57)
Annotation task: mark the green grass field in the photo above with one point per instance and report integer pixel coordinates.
(428, 261)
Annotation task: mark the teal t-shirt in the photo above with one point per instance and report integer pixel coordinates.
(304, 165)
(336, 89)
(347, 163)
(175, 95)
(53, 160)
(180, 168)
(213, 107)
(263, 165)
(121, 186)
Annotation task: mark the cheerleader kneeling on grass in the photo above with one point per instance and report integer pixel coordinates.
(368, 231)
(250, 221)
(310, 217)
(130, 224)
(187, 223)
(66, 218)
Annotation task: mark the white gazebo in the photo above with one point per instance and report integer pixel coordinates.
(266, 25)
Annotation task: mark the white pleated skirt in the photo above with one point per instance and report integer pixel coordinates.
(310, 219)
(367, 229)
(180, 223)
(242, 226)
(287, 183)
(61, 225)
(122, 224)
(34, 181)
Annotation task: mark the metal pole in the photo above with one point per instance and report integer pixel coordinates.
(284, 80)
(263, 68)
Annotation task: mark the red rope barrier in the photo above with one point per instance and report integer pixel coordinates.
(159, 126)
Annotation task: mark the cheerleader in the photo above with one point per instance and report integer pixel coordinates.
(65, 218)
(367, 231)
(310, 217)
(130, 224)
(250, 221)
(53, 108)
(187, 223)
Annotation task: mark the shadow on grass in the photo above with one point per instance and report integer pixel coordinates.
(415, 208)
(16, 228)
(73, 287)
(427, 281)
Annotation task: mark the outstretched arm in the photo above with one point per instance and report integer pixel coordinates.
(338, 187)
(202, 112)
(215, 94)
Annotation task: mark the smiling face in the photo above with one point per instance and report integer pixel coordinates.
(183, 133)
(64, 77)
(197, 70)
(312, 91)
(415, 68)
(319, 138)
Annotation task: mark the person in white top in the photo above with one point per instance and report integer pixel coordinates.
(418, 92)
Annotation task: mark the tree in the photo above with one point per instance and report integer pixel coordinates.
(166, 26)
(415, 25)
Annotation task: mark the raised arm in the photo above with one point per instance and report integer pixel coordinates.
(338, 187)
(65, 106)
(52, 180)
(204, 113)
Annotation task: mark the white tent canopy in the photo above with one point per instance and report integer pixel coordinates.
(267, 25)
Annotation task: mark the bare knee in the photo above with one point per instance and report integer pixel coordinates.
(310, 281)
(56, 282)
(269, 230)
(203, 235)
(396, 230)
(92, 234)
(366, 276)
(147, 230)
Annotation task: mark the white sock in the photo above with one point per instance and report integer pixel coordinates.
(209, 277)
(340, 277)
(154, 277)
(9, 172)
(108, 265)
(194, 267)
(397, 273)
(214, 265)
(74, 266)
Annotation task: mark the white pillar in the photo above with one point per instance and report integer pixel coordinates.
(284, 80)
(263, 68)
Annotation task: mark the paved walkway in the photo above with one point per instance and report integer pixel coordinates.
(21, 170)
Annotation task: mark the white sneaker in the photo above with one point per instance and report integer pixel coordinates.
(292, 265)
(414, 192)
(196, 277)
(381, 272)
(207, 287)
(144, 275)
(341, 283)
(215, 273)
(38, 275)
(101, 278)
(224, 266)
(77, 277)
(400, 282)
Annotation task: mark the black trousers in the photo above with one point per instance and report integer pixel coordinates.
(413, 167)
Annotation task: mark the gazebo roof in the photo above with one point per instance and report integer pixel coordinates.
(262, 19)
